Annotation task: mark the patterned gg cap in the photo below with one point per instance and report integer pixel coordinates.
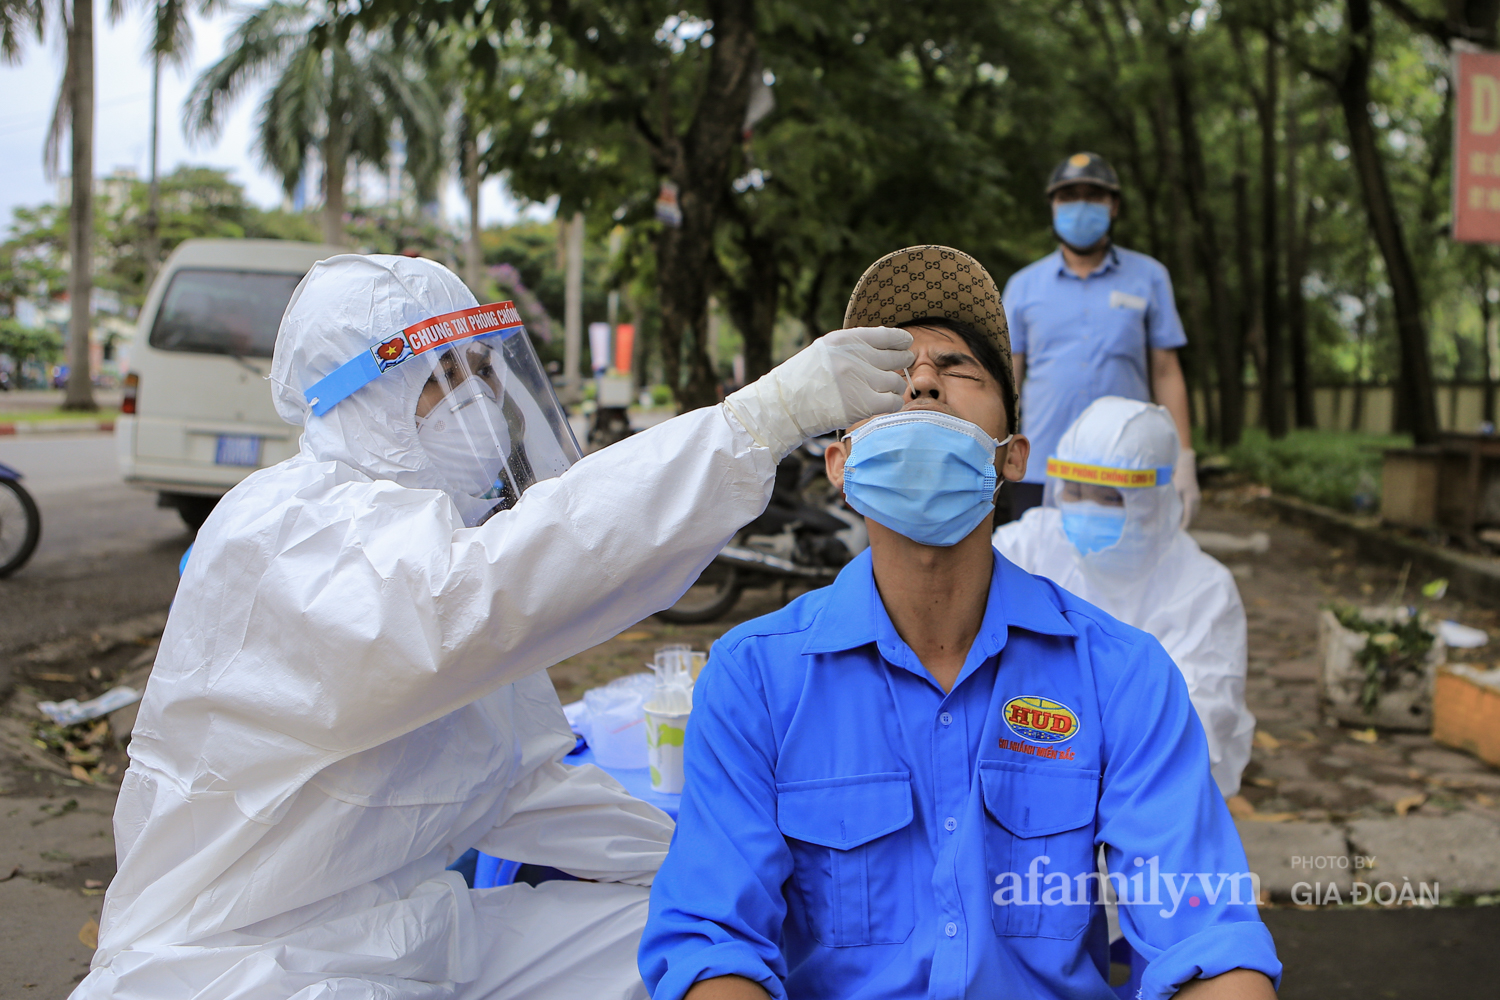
(931, 281)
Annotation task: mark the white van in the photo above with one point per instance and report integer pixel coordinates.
(197, 414)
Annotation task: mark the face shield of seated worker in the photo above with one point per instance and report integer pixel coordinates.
(487, 422)
(1111, 479)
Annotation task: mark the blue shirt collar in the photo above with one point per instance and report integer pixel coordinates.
(1110, 262)
(853, 614)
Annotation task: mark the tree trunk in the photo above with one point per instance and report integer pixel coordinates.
(1298, 234)
(473, 261)
(1491, 348)
(1273, 389)
(1296, 270)
(80, 395)
(335, 161)
(754, 302)
(1195, 174)
(1248, 304)
(1420, 402)
(1197, 356)
(699, 161)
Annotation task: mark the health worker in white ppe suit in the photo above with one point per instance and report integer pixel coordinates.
(350, 691)
(1110, 530)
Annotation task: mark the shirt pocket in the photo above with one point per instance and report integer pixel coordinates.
(1124, 324)
(1039, 819)
(850, 840)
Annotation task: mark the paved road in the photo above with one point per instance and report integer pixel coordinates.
(107, 551)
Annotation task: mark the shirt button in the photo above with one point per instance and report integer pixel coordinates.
(946, 719)
(950, 824)
(950, 929)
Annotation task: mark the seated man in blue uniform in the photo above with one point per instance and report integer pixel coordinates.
(898, 785)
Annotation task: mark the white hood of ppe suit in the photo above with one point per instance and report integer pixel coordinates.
(1126, 434)
(1177, 592)
(348, 691)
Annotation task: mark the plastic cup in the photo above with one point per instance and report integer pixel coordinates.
(665, 734)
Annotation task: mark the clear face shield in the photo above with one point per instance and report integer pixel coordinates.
(486, 416)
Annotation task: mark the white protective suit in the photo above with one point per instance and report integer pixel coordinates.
(1158, 580)
(350, 693)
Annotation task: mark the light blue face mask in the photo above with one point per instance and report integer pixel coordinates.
(929, 476)
(1081, 224)
(1092, 526)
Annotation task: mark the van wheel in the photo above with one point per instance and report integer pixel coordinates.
(194, 509)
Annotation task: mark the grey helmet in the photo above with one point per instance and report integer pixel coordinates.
(1084, 168)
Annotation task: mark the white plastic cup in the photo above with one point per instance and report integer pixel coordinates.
(665, 734)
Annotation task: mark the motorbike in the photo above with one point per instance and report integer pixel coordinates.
(803, 538)
(20, 522)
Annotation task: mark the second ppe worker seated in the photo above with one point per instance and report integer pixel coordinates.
(1122, 548)
(897, 786)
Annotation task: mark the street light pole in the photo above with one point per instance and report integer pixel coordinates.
(153, 211)
(573, 307)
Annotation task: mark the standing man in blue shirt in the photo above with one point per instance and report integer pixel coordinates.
(1089, 320)
(897, 786)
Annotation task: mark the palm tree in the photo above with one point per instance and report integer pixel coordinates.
(342, 96)
(74, 113)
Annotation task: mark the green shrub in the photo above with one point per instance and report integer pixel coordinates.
(661, 395)
(1339, 469)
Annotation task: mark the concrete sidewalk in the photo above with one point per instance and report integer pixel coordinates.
(1326, 805)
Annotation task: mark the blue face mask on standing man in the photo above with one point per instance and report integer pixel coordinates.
(1081, 224)
(927, 475)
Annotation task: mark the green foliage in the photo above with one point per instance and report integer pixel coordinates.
(23, 343)
(1331, 468)
(1391, 649)
(343, 94)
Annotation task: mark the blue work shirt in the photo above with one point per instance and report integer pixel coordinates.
(1085, 338)
(848, 830)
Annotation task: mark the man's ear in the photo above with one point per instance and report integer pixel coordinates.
(1016, 454)
(834, 457)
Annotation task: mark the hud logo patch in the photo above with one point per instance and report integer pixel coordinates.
(1040, 720)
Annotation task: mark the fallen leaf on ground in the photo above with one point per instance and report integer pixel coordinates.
(88, 934)
(92, 883)
(92, 892)
(1262, 782)
(58, 678)
(1272, 817)
(1365, 736)
(633, 636)
(81, 774)
(1483, 799)
(1240, 807)
(1265, 740)
(1406, 805)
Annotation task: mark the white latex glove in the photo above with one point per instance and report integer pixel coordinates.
(1185, 480)
(839, 379)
